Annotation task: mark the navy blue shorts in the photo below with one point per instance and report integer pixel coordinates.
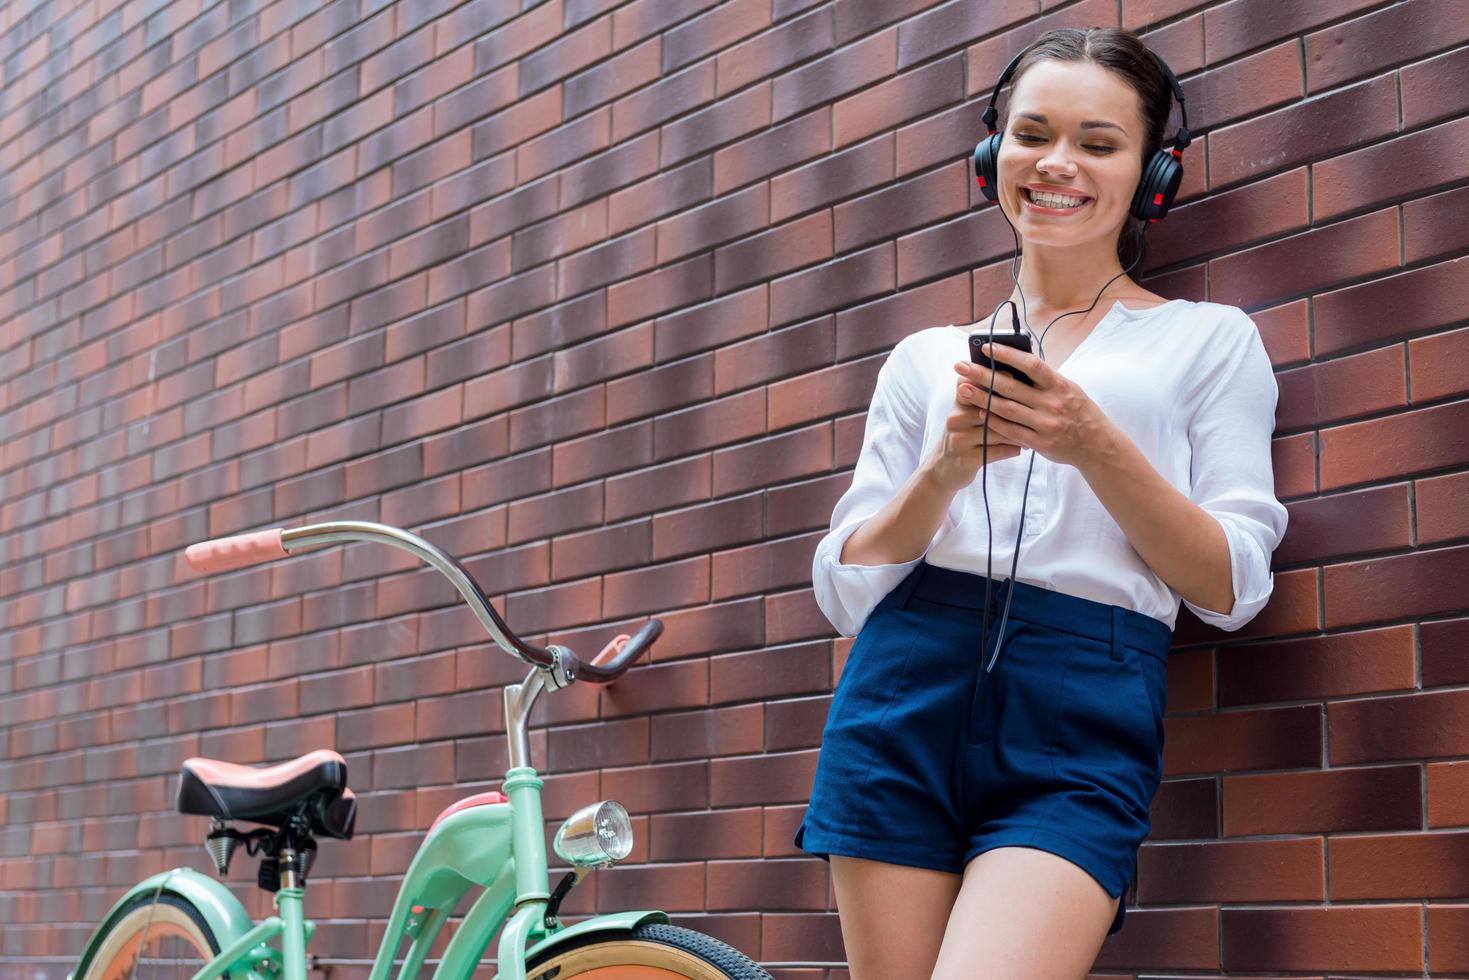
(927, 760)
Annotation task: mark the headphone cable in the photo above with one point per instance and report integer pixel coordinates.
(984, 449)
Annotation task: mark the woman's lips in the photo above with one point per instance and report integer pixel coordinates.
(1043, 209)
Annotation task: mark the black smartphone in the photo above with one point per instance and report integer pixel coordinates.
(1019, 341)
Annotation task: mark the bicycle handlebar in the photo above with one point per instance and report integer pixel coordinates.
(240, 550)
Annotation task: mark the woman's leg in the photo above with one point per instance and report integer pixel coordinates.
(893, 917)
(1025, 914)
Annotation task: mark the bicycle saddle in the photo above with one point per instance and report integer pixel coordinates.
(315, 785)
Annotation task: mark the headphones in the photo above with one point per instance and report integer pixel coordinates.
(1160, 177)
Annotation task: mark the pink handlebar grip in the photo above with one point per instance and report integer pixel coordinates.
(223, 554)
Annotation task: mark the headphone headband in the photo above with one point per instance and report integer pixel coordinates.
(1181, 139)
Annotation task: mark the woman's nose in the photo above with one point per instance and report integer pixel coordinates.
(1055, 162)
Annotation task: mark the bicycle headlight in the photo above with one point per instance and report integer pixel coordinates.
(597, 834)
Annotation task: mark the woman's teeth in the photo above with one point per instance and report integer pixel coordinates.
(1054, 200)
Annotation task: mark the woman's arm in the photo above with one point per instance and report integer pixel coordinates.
(1177, 538)
(902, 529)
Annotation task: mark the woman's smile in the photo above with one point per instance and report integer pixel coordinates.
(1052, 205)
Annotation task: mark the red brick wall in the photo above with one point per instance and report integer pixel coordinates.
(594, 295)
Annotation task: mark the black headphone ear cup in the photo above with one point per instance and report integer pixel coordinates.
(986, 166)
(1157, 187)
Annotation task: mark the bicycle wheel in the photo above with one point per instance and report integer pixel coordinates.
(653, 951)
(162, 938)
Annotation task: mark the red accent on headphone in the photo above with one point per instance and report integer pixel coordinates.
(980, 178)
(1178, 154)
(1158, 198)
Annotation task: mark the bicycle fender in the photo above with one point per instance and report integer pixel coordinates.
(227, 918)
(619, 921)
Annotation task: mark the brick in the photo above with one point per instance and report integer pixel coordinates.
(713, 31)
(569, 53)
(671, 96)
(1247, 87)
(729, 217)
(1412, 164)
(831, 178)
(769, 52)
(1180, 43)
(721, 123)
(1429, 228)
(713, 323)
(1352, 49)
(1300, 133)
(1363, 662)
(953, 245)
(1391, 308)
(1312, 260)
(989, 57)
(1238, 871)
(667, 288)
(1330, 391)
(1397, 445)
(1233, 28)
(610, 171)
(1429, 88)
(1345, 938)
(574, 141)
(618, 75)
(666, 193)
(1236, 218)
(901, 207)
(878, 325)
(1354, 799)
(796, 140)
(843, 280)
(950, 25)
(1439, 508)
(904, 97)
(784, 247)
(642, 18)
(844, 70)
(1378, 517)
(1426, 575)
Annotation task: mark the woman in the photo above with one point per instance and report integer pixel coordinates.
(985, 821)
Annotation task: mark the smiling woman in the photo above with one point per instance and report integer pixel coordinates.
(994, 760)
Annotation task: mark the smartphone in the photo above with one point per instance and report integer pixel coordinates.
(1019, 341)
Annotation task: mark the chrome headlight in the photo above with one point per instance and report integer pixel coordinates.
(597, 834)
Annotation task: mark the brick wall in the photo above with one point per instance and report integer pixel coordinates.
(593, 294)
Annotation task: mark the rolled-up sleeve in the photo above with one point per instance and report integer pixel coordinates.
(1232, 473)
(891, 445)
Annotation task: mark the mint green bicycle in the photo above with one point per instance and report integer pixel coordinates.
(191, 927)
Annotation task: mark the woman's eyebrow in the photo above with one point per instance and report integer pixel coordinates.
(1085, 123)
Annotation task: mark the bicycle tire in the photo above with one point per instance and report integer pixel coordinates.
(654, 950)
(148, 916)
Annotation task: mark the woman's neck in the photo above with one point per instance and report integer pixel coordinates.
(1053, 278)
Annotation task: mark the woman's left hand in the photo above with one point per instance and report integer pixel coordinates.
(1055, 418)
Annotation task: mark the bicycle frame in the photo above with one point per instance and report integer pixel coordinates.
(497, 846)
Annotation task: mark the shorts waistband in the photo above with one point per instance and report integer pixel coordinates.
(1116, 625)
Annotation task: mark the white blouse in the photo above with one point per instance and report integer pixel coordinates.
(1189, 382)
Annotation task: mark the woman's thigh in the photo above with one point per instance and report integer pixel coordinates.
(893, 916)
(1025, 914)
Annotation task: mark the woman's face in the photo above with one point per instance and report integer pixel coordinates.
(1052, 139)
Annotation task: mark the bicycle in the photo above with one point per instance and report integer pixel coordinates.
(491, 840)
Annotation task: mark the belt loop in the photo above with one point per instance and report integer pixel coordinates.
(1119, 632)
(905, 588)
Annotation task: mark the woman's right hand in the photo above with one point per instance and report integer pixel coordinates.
(956, 461)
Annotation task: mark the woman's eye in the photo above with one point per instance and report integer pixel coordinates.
(1025, 137)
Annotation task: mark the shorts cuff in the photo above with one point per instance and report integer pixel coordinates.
(823, 843)
(1074, 851)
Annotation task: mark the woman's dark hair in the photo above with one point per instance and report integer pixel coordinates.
(1123, 53)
